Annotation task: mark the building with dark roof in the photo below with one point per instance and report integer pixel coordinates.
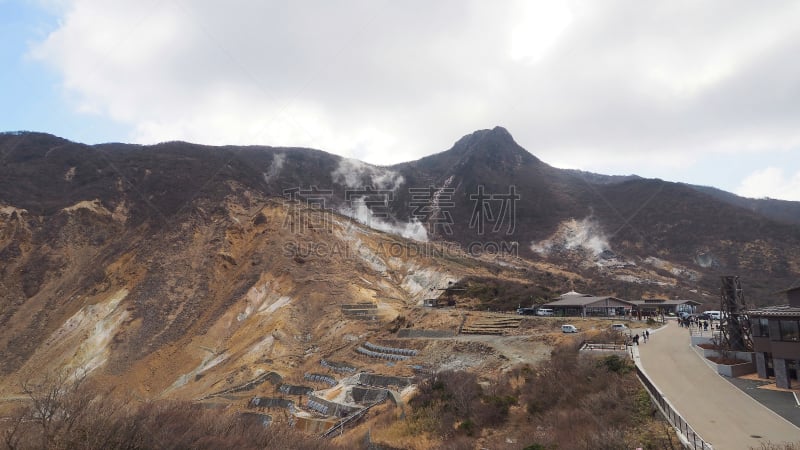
(576, 304)
(658, 306)
(776, 339)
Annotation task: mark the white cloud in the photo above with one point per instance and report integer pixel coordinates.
(771, 182)
(623, 83)
(538, 28)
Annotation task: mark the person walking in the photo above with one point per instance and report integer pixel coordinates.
(646, 335)
(636, 339)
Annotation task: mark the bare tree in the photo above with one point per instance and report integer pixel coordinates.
(56, 403)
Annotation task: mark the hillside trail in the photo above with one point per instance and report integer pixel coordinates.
(719, 412)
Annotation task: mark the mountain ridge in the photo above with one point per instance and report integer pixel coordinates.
(759, 205)
(635, 217)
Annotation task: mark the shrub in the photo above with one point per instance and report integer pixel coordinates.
(468, 427)
(571, 402)
(535, 447)
(616, 364)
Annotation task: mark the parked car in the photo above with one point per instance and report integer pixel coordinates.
(544, 312)
(569, 329)
(621, 327)
(526, 311)
(714, 315)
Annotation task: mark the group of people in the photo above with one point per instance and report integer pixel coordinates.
(645, 337)
(690, 321)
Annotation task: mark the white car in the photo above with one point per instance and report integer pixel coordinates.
(621, 327)
(544, 312)
(569, 329)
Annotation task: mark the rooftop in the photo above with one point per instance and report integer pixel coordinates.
(662, 301)
(572, 294)
(776, 311)
(583, 300)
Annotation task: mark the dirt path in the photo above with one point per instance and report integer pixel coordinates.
(721, 414)
(516, 349)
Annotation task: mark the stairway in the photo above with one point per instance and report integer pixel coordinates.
(490, 324)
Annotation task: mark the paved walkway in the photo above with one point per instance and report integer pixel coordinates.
(782, 402)
(718, 411)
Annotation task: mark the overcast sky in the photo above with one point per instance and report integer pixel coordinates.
(702, 92)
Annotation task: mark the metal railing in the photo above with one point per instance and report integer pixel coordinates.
(711, 333)
(692, 439)
(594, 345)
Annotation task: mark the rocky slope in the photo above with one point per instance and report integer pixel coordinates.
(187, 271)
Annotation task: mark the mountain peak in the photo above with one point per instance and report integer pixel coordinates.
(495, 144)
(497, 134)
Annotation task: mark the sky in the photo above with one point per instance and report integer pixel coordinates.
(700, 92)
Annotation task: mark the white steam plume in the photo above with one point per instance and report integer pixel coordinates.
(275, 167)
(360, 212)
(586, 234)
(355, 174)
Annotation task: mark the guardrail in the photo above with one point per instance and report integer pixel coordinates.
(712, 333)
(592, 345)
(691, 438)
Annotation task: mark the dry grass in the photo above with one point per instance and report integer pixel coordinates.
(72, 414)
(567, 402)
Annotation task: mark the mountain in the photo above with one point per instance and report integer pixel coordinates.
(627, 235)
(622, 229)
(779, 210)
(190, 269)
(220, 274)
(182, 271)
